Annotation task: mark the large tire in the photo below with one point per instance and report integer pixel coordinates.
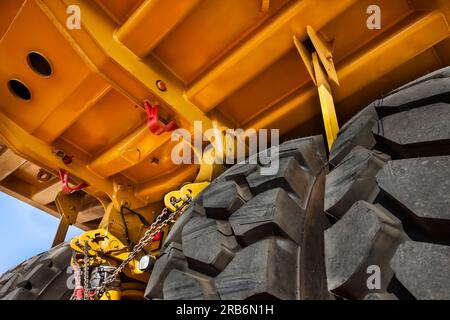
(390, 195)
(250, 236)
(43, 277)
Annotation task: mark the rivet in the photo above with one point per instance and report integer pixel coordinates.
(161, 85)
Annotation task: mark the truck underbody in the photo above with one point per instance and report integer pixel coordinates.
(92, 91)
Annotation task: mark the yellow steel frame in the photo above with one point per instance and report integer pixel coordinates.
(68, 206)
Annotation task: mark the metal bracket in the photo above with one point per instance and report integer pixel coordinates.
(153, 122)
(316, 62)
(66, 188)
(105, 248)
(191, 189)
(326, 103)
(325, 52)
(68, 206)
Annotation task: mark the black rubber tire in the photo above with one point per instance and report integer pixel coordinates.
(43, 277)
(251, 236)
(389, 192)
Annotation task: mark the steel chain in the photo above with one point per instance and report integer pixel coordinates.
(77, 278)
(86, 271)
(143, 242)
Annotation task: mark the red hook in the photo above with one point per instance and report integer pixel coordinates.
(153, 122)
(64, 176)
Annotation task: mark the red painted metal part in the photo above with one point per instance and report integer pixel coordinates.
(78, 293)
(67, 159)
(64, 176)
(153, 122)
(158, 236)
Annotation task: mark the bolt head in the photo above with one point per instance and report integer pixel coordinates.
(146, 263)
(161, 85)
(67, 159)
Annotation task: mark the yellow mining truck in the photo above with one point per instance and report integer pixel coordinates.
(230, 149)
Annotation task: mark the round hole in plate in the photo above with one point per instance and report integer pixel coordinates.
(39, 64)
(19, 89)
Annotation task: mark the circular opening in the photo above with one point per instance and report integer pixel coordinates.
(60, 153)
(39, 64)
(19, 89)
(43, 176)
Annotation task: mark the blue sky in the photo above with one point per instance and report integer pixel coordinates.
(25, 231)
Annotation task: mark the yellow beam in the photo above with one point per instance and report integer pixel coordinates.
(25, 198)
(90, 214)
(41, 153)
(414, 36)
(47, 193)
(84, 97)
(9, 162)
(262, 49)
(68, 207)
(61, 232)
(148, 25)
(128, 152)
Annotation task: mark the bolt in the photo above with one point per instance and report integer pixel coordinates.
(67, 159)
(146, 263)
(161, 85)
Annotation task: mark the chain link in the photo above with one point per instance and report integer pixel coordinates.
(77, 278)
(86, 271)
(146, 239)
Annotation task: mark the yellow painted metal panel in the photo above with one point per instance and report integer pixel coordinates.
(261, 50)
(413, 36)
(151, 22)
(105, 123)
(119, 10)
(47, 93)
(209, 32)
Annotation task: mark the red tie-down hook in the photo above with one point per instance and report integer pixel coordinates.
(64, 176)
(153, 122)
